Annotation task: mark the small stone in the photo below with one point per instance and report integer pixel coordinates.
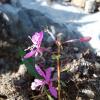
(89, 93)
(97, 65)
(90, 6)
(79, 55)
(21, 71)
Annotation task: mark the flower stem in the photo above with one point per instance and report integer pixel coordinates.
(58, 73)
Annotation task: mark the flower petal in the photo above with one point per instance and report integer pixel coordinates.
(48, 74)
(85, 39)
(39, 70)
(36, 83)
(41, 36)
(36, 53)
(30, 54)
(37, 38)
(53, 91)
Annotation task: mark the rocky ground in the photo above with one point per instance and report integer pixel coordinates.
(15, 81)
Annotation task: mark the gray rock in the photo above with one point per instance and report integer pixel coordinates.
(25, 20)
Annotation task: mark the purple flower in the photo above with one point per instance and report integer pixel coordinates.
(36, 83)
(47, 81)
(83, 39)
(35, 49)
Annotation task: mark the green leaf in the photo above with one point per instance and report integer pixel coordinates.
(30, 68)
(56, 56)
(30, 64)
(49, 97)
(21, 52)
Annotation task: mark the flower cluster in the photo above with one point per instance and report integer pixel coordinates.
(46, 81)
(36, 49)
